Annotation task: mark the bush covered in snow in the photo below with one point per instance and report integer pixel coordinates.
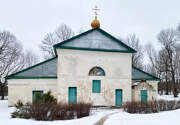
(46, 108)
(151, 107)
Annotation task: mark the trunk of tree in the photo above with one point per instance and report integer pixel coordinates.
(2, 92)
(175, 92)
(167, 86)
(173, 77)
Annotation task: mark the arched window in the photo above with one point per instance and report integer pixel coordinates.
(96, 71)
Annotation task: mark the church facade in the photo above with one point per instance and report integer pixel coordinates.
(91, 67)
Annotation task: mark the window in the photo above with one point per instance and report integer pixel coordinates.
(96, 86)
(37, 94)
(96, 71)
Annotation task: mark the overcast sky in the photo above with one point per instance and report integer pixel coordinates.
(31, 20)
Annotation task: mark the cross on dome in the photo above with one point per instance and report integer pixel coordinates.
(95, 23)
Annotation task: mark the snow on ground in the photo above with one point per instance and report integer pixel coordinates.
(162, 118)
(5, 117)
(168, 97)
(5, 97)
(119, 118)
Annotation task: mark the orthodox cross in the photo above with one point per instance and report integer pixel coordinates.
(96, 10)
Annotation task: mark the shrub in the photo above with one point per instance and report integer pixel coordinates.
(48, 98)
(47, 108)
(19, 104)
(151, 107)
(58, 111)
(45, 98)
(81, 109)
(21, 111)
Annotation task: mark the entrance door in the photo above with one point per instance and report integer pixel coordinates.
(36, 93)
(118, 97)
(144, 96)
(72, 95)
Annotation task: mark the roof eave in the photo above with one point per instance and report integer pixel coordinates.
(93, 49)
(146, 79)
(31, 77)
(153, 77)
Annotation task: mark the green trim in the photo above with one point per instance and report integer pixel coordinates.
(91, 49)
(153, 77)
(32, 77)
(18, 77)
(147, 79)
(129, 49)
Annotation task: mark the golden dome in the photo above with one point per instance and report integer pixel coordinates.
(95, 23)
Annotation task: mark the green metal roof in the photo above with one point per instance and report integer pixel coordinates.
(45, 69)
(95, 40)
(138, 74)
(48, 69)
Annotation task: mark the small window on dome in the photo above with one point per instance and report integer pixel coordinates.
(96, 71)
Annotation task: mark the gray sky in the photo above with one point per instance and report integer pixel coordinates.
(31, 20)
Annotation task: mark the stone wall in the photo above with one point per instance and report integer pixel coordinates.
(73, 69)
(21, 89)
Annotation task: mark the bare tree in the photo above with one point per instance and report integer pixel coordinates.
(29, 58)
(154, 67)
(63, 32)
(10, 51)
(178, 28)
(168, 39)
(157, 64)
(47, 45)
(137, 58)
(12, 58)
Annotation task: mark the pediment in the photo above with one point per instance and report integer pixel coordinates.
(95, 39)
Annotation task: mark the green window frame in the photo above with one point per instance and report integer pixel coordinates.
(96, 86)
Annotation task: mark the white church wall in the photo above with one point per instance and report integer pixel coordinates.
(73, 69)
(21, 89)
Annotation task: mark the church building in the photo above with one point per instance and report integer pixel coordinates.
(93, 67)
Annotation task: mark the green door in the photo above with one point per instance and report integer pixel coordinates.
(35, 93)
(144, 96)
(118, 97)
(96, 86)
(72, 95)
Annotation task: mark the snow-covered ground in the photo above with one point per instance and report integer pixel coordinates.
(5, 117)
(119, 118)
(162, 118)
(5, 97)
(168, 97)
